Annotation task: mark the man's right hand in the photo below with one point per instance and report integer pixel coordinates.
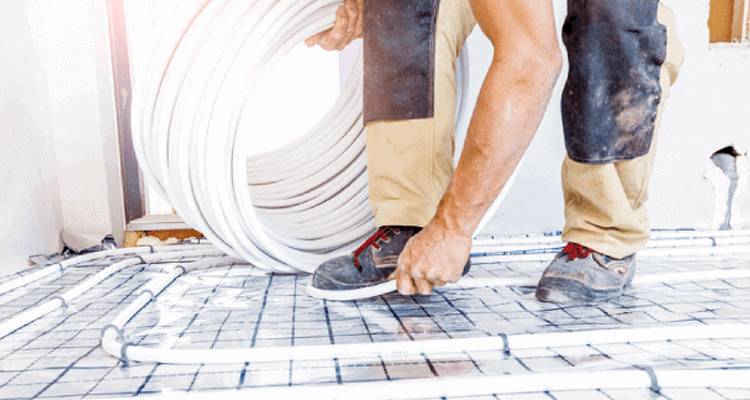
(348, 26)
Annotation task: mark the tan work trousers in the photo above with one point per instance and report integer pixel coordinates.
(410, 162)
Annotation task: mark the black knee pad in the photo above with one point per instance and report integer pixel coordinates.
(612, 95)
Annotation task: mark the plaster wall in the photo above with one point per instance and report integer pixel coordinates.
(30, 213)
(73, 38)
(58, 144)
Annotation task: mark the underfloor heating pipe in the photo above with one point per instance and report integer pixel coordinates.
(59, 267)
(407, 349)
(114, 342)
(431, 388)
(548, 254)
(539, 238)
(650, 279)
(33, 313)
(663, 244)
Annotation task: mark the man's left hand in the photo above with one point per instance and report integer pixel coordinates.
(435, 256)
(347, 27)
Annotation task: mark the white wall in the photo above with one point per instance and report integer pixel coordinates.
(30, 214)
(709, 109)
(57, 129)
(74, 40)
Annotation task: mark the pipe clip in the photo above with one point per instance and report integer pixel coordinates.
(655, 387)
(124, 353)
(506, 343)
(117, 330)
(62, 300)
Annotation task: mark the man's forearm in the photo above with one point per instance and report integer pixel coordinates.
(509, 109)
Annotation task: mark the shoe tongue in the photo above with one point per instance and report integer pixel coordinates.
(368, 267)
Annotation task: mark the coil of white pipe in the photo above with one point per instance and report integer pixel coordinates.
(289, 209)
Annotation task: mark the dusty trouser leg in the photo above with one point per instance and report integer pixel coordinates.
(605, 203)
(621, 74)
(410, 161)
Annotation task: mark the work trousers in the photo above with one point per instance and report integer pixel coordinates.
(410, 160)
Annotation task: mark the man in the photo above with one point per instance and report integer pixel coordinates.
(621, 69)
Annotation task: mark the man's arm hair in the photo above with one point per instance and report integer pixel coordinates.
(525, 66)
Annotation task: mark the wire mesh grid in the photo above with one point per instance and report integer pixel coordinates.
(235, 306)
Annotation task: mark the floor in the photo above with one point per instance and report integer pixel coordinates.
(59, 356)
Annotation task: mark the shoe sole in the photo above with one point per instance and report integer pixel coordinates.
(352, 294)
(360, 293)
(563, 291)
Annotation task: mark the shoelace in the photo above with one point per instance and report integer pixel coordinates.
(575, 250)
(380, 234)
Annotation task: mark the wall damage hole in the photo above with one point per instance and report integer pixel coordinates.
(729, 176)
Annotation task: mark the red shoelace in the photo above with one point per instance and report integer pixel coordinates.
(380, 234)
(575, 250)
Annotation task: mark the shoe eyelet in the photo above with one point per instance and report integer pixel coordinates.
(387, 240)
(397, 231)
(621, 270)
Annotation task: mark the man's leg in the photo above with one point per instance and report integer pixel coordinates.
(605, 204)
(606, 219)
(410, 163)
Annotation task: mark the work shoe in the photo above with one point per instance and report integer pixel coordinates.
(365, 272)
(579, 275)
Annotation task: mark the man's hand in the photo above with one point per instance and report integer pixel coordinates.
(434, 257)
(514, 96)
(348, 26)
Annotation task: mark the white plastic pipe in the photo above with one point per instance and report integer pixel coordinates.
(59, 267)
(112, 345)
(650, 279)
(151, 291)
(677, 249)
(499, 246)
(31, 314)
(488, 385)
(690, 234)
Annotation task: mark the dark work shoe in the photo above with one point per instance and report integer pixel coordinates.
(365, 272)
(579, 275)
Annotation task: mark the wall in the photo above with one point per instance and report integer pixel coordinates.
(30, 214)
(708, 110)
(74, 40)
(58, 144)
